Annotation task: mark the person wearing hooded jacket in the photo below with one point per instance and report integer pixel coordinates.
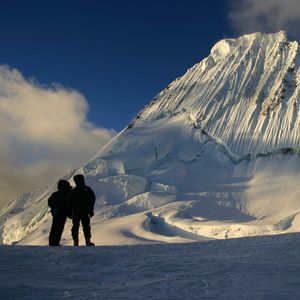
(58, 205)
(81, 203)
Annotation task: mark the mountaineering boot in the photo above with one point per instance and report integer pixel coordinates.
(89, 243)
(76, 243)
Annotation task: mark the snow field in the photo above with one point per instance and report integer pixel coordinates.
(247, 268)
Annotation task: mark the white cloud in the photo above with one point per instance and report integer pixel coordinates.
(44, 133)
(266, 16)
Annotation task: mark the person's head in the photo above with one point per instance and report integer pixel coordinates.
(79, 180)
(63, 185)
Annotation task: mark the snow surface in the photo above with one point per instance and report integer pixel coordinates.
(247, 268)
(215, 155)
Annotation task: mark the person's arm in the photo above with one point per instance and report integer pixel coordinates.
(51, 201)
(53, 205)
(92, 202)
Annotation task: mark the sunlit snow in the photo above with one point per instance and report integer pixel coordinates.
(215, 155)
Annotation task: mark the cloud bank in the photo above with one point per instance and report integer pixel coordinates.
(265, 16)
(44, 133)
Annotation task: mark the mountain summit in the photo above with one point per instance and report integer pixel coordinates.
(245, 94)
(214, 155)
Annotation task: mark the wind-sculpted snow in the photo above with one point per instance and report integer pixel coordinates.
(214, 156)
(245, 93)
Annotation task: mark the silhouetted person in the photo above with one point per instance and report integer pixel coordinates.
(58, 202)
(80, 209)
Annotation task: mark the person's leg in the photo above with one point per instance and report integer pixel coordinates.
(85, 220)
(75, 229)
(60, 229)
(52, 232)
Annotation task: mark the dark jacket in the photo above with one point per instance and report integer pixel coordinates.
(58, 202)
(81, 202)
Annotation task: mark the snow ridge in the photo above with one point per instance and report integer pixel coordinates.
(245, 93)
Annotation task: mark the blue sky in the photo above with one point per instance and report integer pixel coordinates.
(119, 54)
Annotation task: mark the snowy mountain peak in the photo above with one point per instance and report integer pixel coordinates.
(227, 46)
(211, 156)
(245, 94)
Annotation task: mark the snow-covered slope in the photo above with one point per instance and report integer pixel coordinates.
(245, 94)
(214, 155)
(248, 268)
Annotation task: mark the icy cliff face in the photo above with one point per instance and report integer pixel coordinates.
(214, 155)
(245, 94)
